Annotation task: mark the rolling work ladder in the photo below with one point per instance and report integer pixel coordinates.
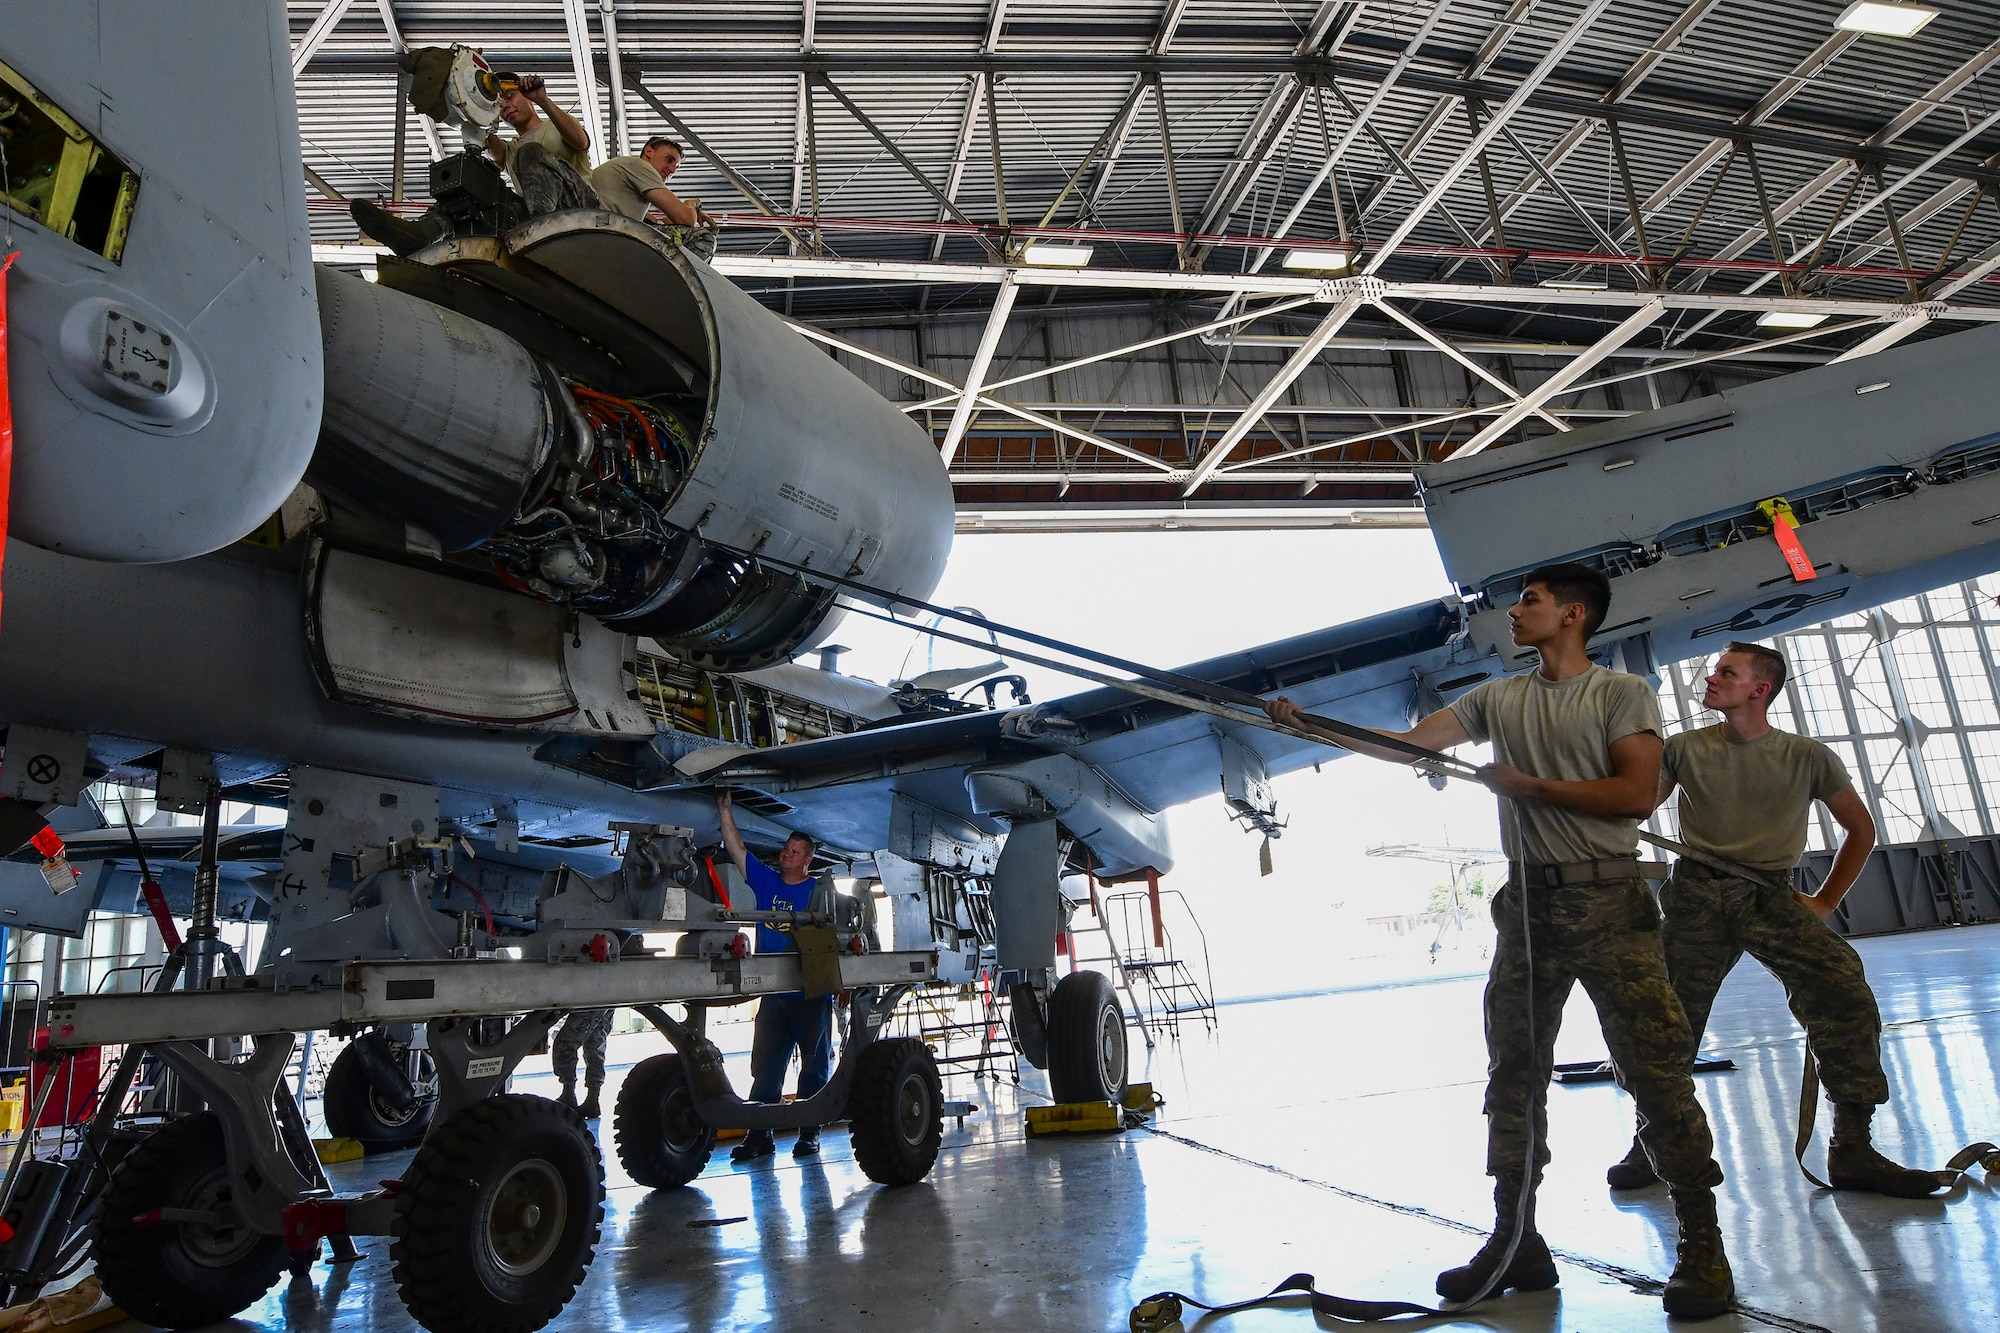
(1164, 974)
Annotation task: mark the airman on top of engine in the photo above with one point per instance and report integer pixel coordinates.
(630, 185)
(547, 159)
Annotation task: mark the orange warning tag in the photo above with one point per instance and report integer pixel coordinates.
(1783, 523)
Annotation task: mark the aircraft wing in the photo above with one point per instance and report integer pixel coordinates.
(1108, 760)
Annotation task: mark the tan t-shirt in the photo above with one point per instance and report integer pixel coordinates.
(1747, 801)
(546, 134)
(622, 183)
(1562, 730)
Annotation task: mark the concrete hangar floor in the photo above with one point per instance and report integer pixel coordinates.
(1337, 1134)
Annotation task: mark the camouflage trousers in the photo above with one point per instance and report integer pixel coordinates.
(548, 184)
(1606, 936)
(588, 1030)
(1714, 919)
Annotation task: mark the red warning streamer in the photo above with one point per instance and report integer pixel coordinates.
(1783, 524)
(6, 413)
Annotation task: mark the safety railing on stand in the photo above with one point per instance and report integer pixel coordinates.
(1173, 981)
(965, 1029)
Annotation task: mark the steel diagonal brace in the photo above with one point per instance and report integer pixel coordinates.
(265, 1174)
(716, 1100)
(469, 1072)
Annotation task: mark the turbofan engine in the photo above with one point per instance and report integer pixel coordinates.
(647, 510)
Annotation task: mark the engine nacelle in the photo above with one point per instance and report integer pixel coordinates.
(638, 480)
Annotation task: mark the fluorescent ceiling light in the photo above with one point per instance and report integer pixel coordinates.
(1316, 261)
(1577, 284)
(1790, 319)
(1056, 256)
(1885, 19)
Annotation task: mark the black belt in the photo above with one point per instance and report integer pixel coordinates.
(1566, 874)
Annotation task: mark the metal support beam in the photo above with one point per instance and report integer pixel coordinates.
(1546, 66)
(999, 166)
(318, 182)
(916, 172)
(1173, 176)
(316, 35)
(1107, 146)
(1350, 300)
(996, 323)
(975, 90)
(1561, 191)
(1471, 366)
(614, 59)
(577, 18)
(1887, 338)
(1357, 119)
(387, 8)
(1129, 349)
(1626, 330)
(780, 267)
(1275, 120)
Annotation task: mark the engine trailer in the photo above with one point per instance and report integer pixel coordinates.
(495, 1220)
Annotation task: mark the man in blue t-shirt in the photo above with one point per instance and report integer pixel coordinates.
(784, 1022)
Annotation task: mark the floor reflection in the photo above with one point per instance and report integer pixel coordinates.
(1294, 1126)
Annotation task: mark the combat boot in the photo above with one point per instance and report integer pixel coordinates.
(1853, 1164)
(399, 234)
(1702, 1286)
(591, 1109)
(568, 1097)
(1533, 1269)
(1635, 1172)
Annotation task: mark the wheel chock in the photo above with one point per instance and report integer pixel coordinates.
(1140, 1099)
(1075, 1118)
(330, 1151)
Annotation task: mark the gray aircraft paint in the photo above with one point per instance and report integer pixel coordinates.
(219, 257)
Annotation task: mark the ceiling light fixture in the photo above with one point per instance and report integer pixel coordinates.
(1790, 319)
(1316, 261)
(1884, 18)
(1577, 284)
(1056, 256)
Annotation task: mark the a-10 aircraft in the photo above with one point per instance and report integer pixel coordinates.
(519, 543)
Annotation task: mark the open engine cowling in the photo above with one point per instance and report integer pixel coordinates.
(634, 468)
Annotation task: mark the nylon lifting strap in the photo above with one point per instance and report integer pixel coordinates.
(1987, 1155)
(1163, 1310)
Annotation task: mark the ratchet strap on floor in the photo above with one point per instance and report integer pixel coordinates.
(1987, 1155)
(1162, 1310)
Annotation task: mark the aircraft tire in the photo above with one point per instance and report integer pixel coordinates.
(1086, 1040)
(662, 1140)
(181, 1274)
(499, 1217)
(353, 1110)
(895, 1110)
(1030, 1030)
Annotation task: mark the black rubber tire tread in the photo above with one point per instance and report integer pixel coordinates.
(1029, 1029)
(144, 1270)
(435, 1267)
(1079, 1003)
(880, 1072)
(350, 1112)
(643, 1117)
